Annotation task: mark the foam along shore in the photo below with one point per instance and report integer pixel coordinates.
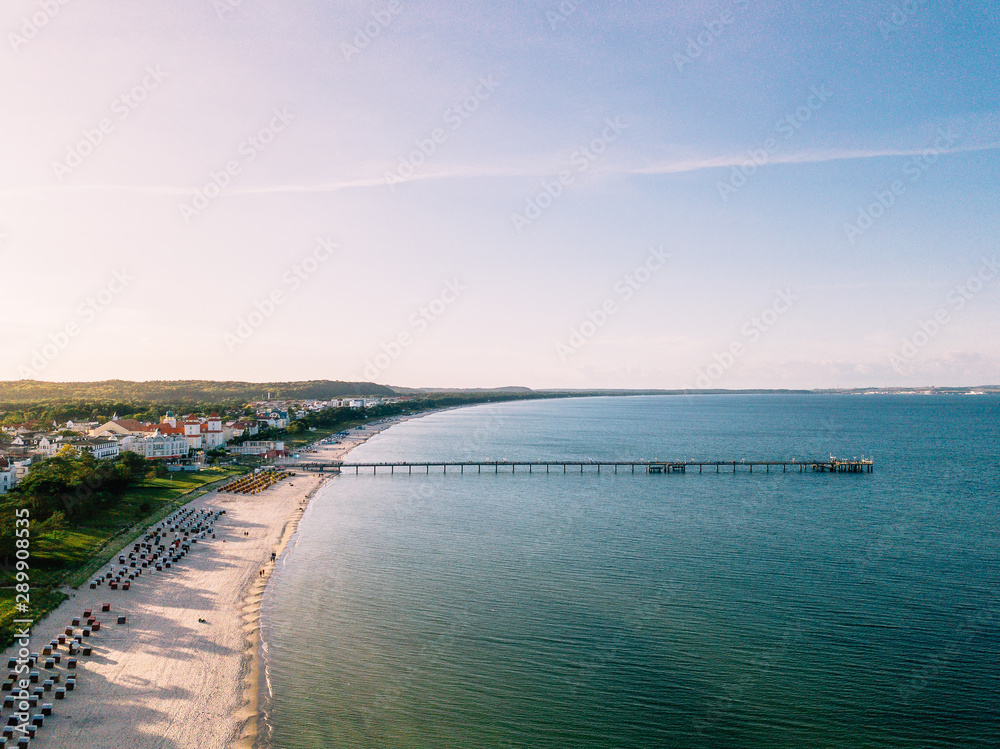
(181, 670)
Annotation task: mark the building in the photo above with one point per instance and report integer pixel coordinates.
(23, 440)
(200, 433)
(101, 448)
(46, 447)
(157, 446)
(275, 419)
(120, 428)
(258, 448)
(8, 475)
(38, 445)
(83, 427)
(212, 432)
(240, 428)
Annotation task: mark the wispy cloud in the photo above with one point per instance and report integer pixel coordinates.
(512, 171)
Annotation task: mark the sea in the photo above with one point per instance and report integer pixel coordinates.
(780, 609)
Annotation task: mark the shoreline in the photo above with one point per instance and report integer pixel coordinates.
(249, 717)
(254, 680)
(178, 671)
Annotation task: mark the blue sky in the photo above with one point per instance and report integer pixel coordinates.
(822, 180)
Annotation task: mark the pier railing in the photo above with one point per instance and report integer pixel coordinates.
(831, 465)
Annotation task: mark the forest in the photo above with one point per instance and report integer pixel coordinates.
(188, 392)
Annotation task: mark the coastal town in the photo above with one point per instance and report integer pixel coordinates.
(181, 441)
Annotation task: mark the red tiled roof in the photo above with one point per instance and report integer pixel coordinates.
(165, 428)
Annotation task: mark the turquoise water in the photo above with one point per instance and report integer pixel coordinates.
(603, 610)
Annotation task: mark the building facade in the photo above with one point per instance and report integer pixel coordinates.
(158, 446)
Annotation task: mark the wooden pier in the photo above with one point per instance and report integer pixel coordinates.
(831, 465)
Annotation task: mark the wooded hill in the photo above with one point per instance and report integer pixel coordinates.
(181, 392)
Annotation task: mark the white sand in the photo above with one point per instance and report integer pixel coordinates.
(163, 679)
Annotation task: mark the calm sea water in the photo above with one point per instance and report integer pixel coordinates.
(569, 610)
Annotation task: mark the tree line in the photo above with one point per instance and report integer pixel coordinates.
(183, 393)
(69, 487)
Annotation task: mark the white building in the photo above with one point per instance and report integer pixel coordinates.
(275, 419)
(21, 468)
(257, 448)
(47, 447)
(164, 446)
(83, 427)
(239, 428)
(8, 476)
(101, 447)
(212, 431)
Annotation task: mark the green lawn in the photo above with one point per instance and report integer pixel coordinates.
(71, 556)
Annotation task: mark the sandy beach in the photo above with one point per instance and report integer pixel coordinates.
(165, 679)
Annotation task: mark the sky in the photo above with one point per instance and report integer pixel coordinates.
(576, 194)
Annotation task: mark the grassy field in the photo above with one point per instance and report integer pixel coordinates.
(70, 556)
